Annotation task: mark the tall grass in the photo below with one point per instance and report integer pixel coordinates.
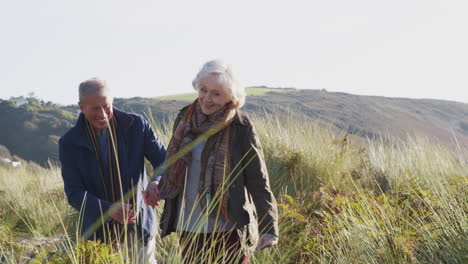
(374, 202)
(341, 200)
(33, 210)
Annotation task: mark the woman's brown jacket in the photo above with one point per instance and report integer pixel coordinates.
(251, 201)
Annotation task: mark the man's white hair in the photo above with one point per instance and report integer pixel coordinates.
(226, 79)
(94, 86)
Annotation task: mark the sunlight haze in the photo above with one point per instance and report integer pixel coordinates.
(415, 49)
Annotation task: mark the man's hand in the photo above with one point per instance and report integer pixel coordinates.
(151, 194)
(122, 213)
(266, 240)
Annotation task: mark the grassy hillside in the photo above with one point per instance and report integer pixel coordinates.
(444, 122)
(250, 91)
(340, 201)
(440, 121)
(32, 131)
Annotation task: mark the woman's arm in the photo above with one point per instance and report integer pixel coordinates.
(258, 185)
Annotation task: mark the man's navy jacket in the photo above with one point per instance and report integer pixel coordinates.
(82, 178)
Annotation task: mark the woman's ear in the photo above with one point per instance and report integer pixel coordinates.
(233, 105)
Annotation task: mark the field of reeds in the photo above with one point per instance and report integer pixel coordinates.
(341, 200)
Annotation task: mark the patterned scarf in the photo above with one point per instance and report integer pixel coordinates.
(193, 127)
(110, 178)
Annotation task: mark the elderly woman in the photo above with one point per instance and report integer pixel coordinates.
(217, 178)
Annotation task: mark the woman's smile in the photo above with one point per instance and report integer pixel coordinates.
(212, 96)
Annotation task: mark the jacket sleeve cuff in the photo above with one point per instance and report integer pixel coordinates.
(156, 177)
(268, 235)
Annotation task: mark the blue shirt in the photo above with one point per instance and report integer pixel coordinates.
(103, 139)
(190, 216)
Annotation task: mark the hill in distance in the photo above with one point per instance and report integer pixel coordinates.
(32, 131)
(445, 122)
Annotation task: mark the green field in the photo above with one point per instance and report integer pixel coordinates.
(249, 90)
(340, 201)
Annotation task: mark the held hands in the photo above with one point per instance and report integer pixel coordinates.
(122, 213)
(266, 240)
(151, 194)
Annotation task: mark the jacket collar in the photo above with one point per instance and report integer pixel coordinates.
(124, 122)
(239, 118)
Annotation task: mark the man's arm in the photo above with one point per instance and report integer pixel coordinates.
(154, 149)
(155, 152)
(77, 195)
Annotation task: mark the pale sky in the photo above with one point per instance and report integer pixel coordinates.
(397, 48)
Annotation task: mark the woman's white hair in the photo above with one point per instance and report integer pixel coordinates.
(226, 79)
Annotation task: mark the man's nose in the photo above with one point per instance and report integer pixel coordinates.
(102, 113)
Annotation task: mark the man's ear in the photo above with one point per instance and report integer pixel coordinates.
(81, 106)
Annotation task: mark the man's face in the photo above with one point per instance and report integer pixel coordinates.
(97, 110)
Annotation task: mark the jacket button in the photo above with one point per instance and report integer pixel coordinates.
(233, 186)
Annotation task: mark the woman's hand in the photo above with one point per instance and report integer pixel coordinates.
(266, 240)
(151, 194)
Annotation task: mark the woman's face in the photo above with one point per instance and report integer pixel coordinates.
(211, 95)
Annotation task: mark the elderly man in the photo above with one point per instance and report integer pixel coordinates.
(103, 171)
